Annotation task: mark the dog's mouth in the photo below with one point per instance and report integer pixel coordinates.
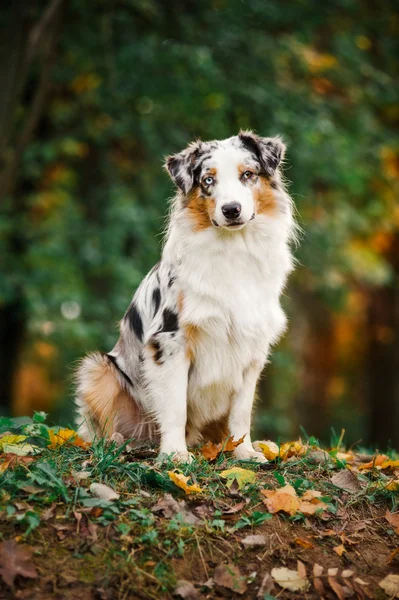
(233, 224)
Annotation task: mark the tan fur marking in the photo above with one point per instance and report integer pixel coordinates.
(216, 431)
(180, 303)
(152, 347)
(105, 398)
(191, 333)
(264, 198)
(200, 209)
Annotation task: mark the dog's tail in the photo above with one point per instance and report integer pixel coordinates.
(104, 404)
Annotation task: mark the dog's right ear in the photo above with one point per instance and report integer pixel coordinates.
(181, 166)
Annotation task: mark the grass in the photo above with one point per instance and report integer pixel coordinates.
(85, 546)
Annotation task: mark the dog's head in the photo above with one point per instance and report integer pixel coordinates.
(228, 183)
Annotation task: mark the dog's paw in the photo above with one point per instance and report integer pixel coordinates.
(182, 456)
(245, 454)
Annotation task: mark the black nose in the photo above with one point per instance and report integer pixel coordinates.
(232, 210)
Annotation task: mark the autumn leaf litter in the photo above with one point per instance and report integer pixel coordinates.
(214, 528)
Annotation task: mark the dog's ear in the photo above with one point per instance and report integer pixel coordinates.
(269, 151)
(181, 166)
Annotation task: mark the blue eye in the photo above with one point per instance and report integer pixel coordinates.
(209, 180)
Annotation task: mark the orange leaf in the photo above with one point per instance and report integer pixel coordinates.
(393, 519)
(63, 436)
(283, 499)
(339, 549)
(304, 543)
(210, 451)
(377, 462)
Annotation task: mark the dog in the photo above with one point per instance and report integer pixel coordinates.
(199, 329)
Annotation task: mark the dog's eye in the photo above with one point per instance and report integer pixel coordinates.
(209, 180)
(247, 175)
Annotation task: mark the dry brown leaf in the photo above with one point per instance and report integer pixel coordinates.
(289, 579)
(186, 590)
(266, 587)
(15, 560)
(390, 585)
(104, 492)
(393, 519)
(301, 569)
(317, 582)
(170, 508)
(252, 541)
(181, 481)
(13, 460)
(346, 480)
(337, 588)
(229, 576)
(339, 549)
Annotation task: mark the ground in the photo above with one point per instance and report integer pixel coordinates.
(105, 522)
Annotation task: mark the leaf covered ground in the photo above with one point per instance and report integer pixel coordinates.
(105, 522)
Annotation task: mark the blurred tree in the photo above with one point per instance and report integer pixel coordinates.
(133, 81)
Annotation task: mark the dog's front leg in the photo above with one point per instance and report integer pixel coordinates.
(240, 415)
(166, 385)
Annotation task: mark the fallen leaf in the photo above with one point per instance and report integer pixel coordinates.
(346, 456)
(15, 560)
(346, 573)
(336, 587)
(284, 499)
(346, 480)
(229, 576)
(301, 569)
(14, 444)
(380, 461)
(170, 508)
(393, 555)
(390, 585)
(13, 460)
(181, 481)
(81, 475)
(49, 512)
(304, 543)
(339, 549)
(241, 476)
(231, 510)
(253, 540)
(289, 579)
(317, 582)
(269, 449)
(63, 436)
(210, 451)
(185, 589)
(393, 519)
(100, 490)
(266, 587)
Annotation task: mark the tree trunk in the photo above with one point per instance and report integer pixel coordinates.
(29, 35)
(383, 359)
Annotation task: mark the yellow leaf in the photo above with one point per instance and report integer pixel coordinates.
(62, 436)
(269, 449)
(181, 481)
(11, 439)
(11, 444)
(339, 549)
(292, 449)
(242, 476)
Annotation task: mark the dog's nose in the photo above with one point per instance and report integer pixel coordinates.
(231, 210)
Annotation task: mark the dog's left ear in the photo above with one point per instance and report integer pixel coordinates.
(181, 166)
(269, 151)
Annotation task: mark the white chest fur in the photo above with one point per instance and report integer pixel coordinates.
(231, 288)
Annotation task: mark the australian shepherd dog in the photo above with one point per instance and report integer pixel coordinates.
(199, 329)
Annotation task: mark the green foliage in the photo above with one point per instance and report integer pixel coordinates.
(138, 80)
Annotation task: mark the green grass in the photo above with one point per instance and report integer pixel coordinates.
(134, 548)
